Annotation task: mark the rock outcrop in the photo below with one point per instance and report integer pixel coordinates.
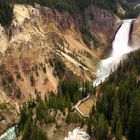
(3, 40)
(135, 35)
(103, 25)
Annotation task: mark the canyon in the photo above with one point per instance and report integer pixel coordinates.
(38, 37)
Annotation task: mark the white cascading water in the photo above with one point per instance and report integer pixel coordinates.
(120, 48)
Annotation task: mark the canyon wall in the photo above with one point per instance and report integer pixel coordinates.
(44, 45)
(103, 25)
(135, 35)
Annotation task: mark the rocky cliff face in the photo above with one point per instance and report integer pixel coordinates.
(44, 45)
(38, 36)
(135, 36)
(102, 23)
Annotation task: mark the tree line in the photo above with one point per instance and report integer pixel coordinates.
(38, 112)
(118, 107)
(74, 7)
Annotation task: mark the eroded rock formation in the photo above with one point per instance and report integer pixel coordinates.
(135, 36)
(40, 40)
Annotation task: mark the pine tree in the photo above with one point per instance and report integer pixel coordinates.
(134, 120)
(102, 128)
(89, 130)
(119, 129)
(115, 114)
(6, 12)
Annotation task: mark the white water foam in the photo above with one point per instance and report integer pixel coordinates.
(77, 134)
(9, 134)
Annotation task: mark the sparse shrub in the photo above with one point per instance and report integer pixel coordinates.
(32, 80)
(73, 118)
(3, 106)
(18, 76)
(18, 93)
(44, 69)
(88, 37)
(59, 66)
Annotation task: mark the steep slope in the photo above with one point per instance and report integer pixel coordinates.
(38, 36)
(135, 37)
(9, 112)
(43, 46)
(102, 23)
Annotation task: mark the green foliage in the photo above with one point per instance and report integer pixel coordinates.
(74, 118)
(6, 12)
(42, 113)
(110, 5)
(29, 127)
(115, 114)
(60, 103)
(89, 129)
(74, 7)
(36, 113)
(82, 4)
(102, 128)
(133, 0)
(59, 66)
(130, 11)
(3, 106)
(119, 129)
(89, 38)
(61, 5)
(32, 132)
(134, 120)
(32, 80)
(70, 88)
(119, 102)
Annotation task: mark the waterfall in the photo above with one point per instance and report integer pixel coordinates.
(120, 47)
